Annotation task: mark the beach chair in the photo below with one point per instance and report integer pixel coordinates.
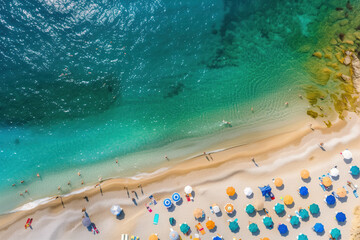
(321, 185)
(200, 228)
(156, 219)
(124, 237)
(134, 238)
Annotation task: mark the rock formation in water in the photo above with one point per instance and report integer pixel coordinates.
(356, 72)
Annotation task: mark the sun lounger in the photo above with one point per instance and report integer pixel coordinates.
(200, 228)
(321, 185)
(134, 238)
(148, 208)
(156, 219)
(152, 199)
(124, 237)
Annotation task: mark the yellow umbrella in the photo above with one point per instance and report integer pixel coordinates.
(210, 224)
(326, 181)
(230, 191)
(288, 200)
(258, 205)
(153, 237)
(198, 213)
(341, 192)
(229, 208)
(305, 174)
(278, 182)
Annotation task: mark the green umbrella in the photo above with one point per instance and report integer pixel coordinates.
(355, 170)
(335, 233)
(268, 222)
(314, 208)
(249, 209)
(184, 228)
(294, 220)
(279, 208)
(233, 226)
(304, 213)
(302, 237)
(253, 228)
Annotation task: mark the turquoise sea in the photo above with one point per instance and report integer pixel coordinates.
(86, 82)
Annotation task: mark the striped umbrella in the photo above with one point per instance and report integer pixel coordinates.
(176, 197)
(167, 202)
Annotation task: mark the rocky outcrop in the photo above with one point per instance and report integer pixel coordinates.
(317, 54)
(346, 78)
(355, 229)
(347, 60)
(356, 72)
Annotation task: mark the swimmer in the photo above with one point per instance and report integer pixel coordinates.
(300, 96)
(82, 182)
(117, 161)
(286, 104)
(21, 194)
(13, 185)
(38, 175)
(100, 179)
(69, 183)
(26, 191)
(22, 181)
(59, 188)
(79, 174)
(252, 109)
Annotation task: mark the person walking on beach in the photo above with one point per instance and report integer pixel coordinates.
(62, 203)
(134, 201)
(141, 189)
(253, 160)
(166, 157)
(211, 157)
(206, 157)
(127, 190)
(321, 145)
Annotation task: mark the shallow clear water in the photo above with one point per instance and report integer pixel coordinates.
(84, 82)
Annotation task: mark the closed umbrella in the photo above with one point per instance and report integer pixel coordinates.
(334, 172)
(326, 181)
(302, 237)
(268, 222)
(288, 200)
(314, 208)
(233, 226)
(229, 208)
(210, 224)
(294, 220)
(198, 213)
(259, 205)
(278, 182)
(153, 237)
(354, 170)
(330, 200)
(249, 209)
(305, 174)
(341, 192)
(86, 221)
(279, 208)
(318, 227)
(188, 189)
(230, 191)
(347, 154)
(116, 209)
(167, 202)
(340, 217)
(283, 228)
(176, 197)
(335, 233)
(248, 191)
(184, 228)
(253, 228)
(304, 214)
(174, 236)
(303, 191)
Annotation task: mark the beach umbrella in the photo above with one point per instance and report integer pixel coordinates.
(184, 228)
(230, 191)
(249, 209)
(314, 208)
(265, 190)
(330, 200)
(354, 170)
(198, 213)
(167, 202)
(188, 189)
(265, 238)
(335, 233)
(86, 221)
(340, 217)
(305, 174)
(341, 192)
(279, 208)
(326, 181)
(233, 226)
(303, 213)
(347, 154)
(318, 228)
(210, 224)
(116, 209)
(288, 200)
(229, 208)
(334, 172)
(282, 228)
(215, 208)
(248, 191)
(294, 220)
(216, 238)
(153, 237)
(302, 237)
(176, 197)
(303, 191)
(259, 205)
(174, 235)
(278, 182)
(268, 222)
(253, 228)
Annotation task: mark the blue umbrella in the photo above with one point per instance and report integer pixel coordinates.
(167, 202)
(265, 191)
(340, 217)
(176, 197)
(304, 191)
(283, 228)
(318, 227)
(216, 238)
(330, 200)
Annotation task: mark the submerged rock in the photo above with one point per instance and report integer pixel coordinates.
(356, 72)
(347, 60)
(317, 54)
(333, 41)
(357, 34)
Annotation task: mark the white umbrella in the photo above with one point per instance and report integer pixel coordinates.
(216, 208)
(248, 191)
(334, 172)
(116, 209)
(188, 189)
(347, 154)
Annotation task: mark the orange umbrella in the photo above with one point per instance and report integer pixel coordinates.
(288, 200)
(210, 224)
(229, 208)
(278, 182)
(305, 174)
(265, 238)
(230, 191)
(341, 192)
(153, 237)
(198, 212)
(326, 181)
